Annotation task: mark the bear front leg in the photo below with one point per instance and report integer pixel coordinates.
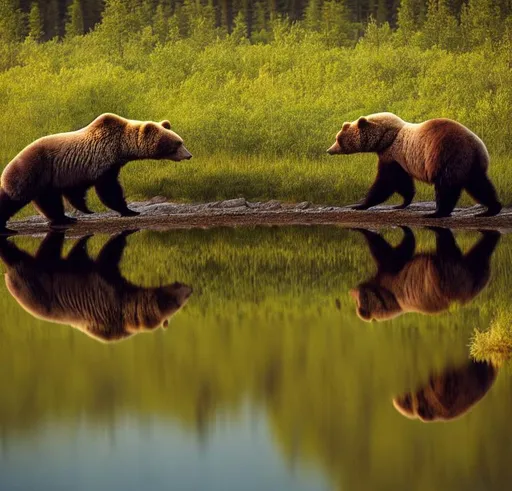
(110, 193)
(76, 198)
(381, 190)
(50, 205)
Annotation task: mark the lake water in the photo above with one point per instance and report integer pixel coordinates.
(269, 376)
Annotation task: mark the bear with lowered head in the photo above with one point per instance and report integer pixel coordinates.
(68, 164)
(440, 151)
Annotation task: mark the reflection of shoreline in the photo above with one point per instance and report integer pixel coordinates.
(428, 283)
(448, 395)
(90, 295)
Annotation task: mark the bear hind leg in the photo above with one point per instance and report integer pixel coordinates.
(76, 198)
(51, 206)
(481, 189)
(8, 207)
(446, 199)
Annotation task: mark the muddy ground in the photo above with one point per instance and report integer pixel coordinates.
(158, 214)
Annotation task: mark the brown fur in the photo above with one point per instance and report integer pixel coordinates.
(427, 282)
(67, 164)
(441, 152)
(90, 295)
(449, 395)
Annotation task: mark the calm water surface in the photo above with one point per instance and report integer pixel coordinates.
(245, 359)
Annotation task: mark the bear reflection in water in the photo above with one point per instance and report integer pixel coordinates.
(449, 395)
(88, 294)
(425, 282)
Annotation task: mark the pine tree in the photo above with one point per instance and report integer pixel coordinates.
(11, 30)
(161, 23)
(481, 23)
(407, 24)
(336, 27)
(441, 27)
(35, 23)
(312, 15)
(239, 33)
(75, 23)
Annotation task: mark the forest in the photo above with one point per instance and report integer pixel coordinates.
(260, 97)
(56, 14)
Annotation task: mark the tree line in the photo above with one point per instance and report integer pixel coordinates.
(447, 23)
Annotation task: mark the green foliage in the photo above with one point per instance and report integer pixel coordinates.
(481, 23)
(252, 114)
(441, 27)
(337, 29)
(75, 24)
(35, 23)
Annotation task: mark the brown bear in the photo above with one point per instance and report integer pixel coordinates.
(67, 164)
(90, 295)
(428, 282)
(449, 395)
(441, 152)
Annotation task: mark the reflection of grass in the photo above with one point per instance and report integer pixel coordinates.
(495, 344)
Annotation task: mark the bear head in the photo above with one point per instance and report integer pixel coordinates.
(141, 139)
(157, 141)
(372, 133)
(375, 303)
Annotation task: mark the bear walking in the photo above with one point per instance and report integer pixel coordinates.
(441, 152)
(67, 164)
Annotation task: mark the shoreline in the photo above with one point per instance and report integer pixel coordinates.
(159, 214)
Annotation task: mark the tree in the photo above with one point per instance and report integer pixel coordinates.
(11, 21)
(239, 33)
(312, 15)
(480, 23)
(407, 23)
(35, 23)
(161, 23)
(441, 27)
(336, 27)
(75, 23)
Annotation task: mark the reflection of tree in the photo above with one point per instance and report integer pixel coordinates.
(272, 337)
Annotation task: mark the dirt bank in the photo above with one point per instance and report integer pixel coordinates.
(157, 214)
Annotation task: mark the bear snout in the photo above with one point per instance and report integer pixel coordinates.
(183, 154)
(334, 149)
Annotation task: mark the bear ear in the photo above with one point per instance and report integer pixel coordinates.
(345, 126)
(166, 124)
(362, 122)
